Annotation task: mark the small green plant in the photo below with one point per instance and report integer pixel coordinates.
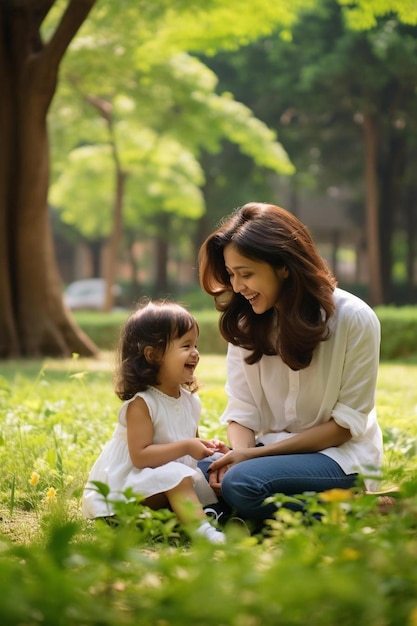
(150, 526)
(344, 560)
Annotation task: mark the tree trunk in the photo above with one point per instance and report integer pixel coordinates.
(134, 285)
(162, 246)
(335, 249)
(115, 239)
(391, 176)
(201, 232)
(372, 220)
(96, 253)
(410, 221)
(106, 111)
(33, 318)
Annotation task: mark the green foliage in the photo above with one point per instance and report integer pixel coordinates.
(356, 565)
(164, 108)
(104, 329)
(363, 14)
(309, 88)
(398, 330)
(346, 575)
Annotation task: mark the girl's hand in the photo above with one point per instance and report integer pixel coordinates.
(198, 448)
(215, 445)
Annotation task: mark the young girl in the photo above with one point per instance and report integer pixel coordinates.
(155, 446)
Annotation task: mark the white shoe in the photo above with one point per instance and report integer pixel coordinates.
(210, 533)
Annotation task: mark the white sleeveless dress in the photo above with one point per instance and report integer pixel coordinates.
(173, 419)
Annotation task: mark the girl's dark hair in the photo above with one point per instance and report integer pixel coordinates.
(154, 324)
(265, 232)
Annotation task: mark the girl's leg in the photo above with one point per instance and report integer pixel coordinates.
(158, 501)
(246, 485)
(186, 505)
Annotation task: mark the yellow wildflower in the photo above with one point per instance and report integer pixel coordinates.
(350, 554)
(34, 479)
(413, 617)
(336, 495)
(50, 494)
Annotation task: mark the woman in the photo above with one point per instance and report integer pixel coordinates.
(302, 364)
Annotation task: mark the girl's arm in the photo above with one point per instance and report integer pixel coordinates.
(143, 452)
(313, 439)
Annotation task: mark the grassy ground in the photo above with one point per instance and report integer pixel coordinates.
(57, 414)
(357, 566)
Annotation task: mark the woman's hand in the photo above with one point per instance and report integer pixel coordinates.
(220, 466)
(215, 479)
(231, 458)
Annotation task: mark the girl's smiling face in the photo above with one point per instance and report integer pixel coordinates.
(257, 281)
(179, 362)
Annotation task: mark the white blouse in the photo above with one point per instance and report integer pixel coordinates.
(277, 402)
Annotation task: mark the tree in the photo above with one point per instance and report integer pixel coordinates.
(383, 102)
(34, 37)
(158, 146)
(33, 320)
(337, 123)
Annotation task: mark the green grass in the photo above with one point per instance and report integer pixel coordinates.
(357, 566)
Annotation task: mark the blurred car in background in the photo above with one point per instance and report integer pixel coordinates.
(89, 294)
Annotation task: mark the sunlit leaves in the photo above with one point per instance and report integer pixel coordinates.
(85, 190)
(363, 14)
(229, 26)
(161, 175)
(161, 122)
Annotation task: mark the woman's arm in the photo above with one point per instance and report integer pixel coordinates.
(240, 436)
(326, 435)
(143, 452)
(356, 398)
(241, 381)
(313, 439)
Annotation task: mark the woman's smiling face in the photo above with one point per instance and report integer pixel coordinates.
(257, 281)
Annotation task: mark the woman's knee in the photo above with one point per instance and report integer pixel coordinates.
(242, 491)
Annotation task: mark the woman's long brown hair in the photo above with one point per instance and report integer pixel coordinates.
(268, 233)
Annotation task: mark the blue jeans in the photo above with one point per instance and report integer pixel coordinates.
(246, 485)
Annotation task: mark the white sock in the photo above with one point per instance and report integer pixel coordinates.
(210, 533)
